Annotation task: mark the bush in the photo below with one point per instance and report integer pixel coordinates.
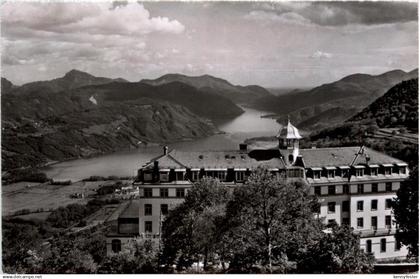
(29, 175)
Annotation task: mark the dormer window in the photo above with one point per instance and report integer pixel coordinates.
(402, 168)
(195, 174)
(387, 168)
(164, 175)
(344, 171)
(373, 170)
(316, 173)
(179, 174)
(330, 171)
(359, 171)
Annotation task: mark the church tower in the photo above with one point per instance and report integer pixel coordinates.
(289, 143)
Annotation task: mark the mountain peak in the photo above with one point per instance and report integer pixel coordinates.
(76, 73)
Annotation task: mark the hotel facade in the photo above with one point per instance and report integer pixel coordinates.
(354, 185)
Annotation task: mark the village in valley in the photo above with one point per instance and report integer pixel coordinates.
(166, 169)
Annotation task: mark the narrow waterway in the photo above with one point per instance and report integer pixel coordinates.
(125, 163)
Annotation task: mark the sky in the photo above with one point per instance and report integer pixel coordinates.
(272, 44)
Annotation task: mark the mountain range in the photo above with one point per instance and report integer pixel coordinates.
(389, 124)
(81, 115)
(318, 108)
(218, 86)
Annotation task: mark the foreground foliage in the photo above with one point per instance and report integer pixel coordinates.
(264, 226)
(406, 212)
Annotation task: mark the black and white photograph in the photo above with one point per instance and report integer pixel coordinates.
(209, 137)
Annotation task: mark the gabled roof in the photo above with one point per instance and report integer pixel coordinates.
(343, 156)
(166, 161)
(289, 132)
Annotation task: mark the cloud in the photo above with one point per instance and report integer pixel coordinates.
(321, 55)
(285, 18)
(337, 13)
(90, 18)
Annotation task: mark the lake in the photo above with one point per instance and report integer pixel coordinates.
(125, 163)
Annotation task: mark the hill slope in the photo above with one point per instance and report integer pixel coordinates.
(218, 86)
(397, 107)
(349, 94)
(72, 79)
(41, 124)
(396, 110)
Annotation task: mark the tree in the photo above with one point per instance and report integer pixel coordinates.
(138, 256)
(190, 231)
(406, 211)
(338, 251)
(271, 223)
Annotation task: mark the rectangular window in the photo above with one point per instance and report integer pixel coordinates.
(403, 170)
(374, 205)
(359, 172)
(360, 206)
(374, 187)
(388, 203)
(180, 192)
(148, 193)
(317, 209)
(147, 209)
(239, 176)
(164, 209)
(147, 176)
(388, 221)
(331, 190)
(360, 188)
(317, 190)
(179, 176)
(383, 245)
(346, 221)
(221, 175)
(195, 175)
(317, 174)
(345, 173)
(387, 170)
(148, 227)
(346, 189)
(374, 171)
(369, 246)
(164, 192)
(388, 186)
(331, 207)
(360, 223)
(331, 173)
(164, 176)
(374, 222)
(345, 206)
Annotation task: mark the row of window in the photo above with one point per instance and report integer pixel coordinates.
(332, 189)
(195, 176)
(148, 209)
(345, 205)
(164, 192)
(360, 222)
(374, 222)
(383, 245)
(331, 173)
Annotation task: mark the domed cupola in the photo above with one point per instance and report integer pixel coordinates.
(289, 138)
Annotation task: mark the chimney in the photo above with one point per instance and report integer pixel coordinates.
(165, 150)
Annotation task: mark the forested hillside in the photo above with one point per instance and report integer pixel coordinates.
(397, 110)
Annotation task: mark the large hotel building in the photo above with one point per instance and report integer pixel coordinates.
(355, 186)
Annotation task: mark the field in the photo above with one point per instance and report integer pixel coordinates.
(45, 197)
